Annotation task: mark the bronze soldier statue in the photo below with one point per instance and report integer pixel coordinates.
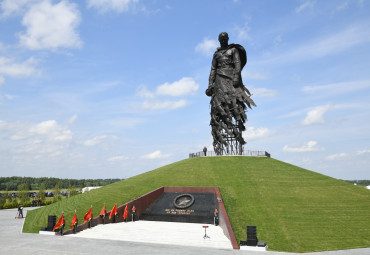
(229, 97)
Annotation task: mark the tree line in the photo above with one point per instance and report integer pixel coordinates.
(34, 183)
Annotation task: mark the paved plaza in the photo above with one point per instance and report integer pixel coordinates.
(12, 241)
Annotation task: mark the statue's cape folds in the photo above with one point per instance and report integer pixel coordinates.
(242, 53)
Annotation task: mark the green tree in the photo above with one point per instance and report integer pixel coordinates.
(41, 193)
(23, 192)
(7, 196)
(72, 191)
(56, 192)
(2, 202)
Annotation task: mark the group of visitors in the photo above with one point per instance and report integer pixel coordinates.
(36, 202)
(217, 150)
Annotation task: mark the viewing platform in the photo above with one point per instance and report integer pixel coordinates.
(246, 153)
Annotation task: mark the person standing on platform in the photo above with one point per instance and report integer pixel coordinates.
(103, 213)
(216, 217)
(133, 213)
(125, 214)
(74, 223)
(113, 213)
(88, 217)
(60, 224)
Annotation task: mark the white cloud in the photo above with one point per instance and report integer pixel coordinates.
(308, 147)
(155, 155)
(333, 44)
(44, 139)
(9, 67)
(253, 133)
(263, 92)
(72, 119)
(184, 86)
(164, 105)
(98, 140)
(342, 6)
(308, 4)
(242, 32)
(361, 152)
(251, 75)
(53, 129)
(10, 97)
(4, 126)
(207, 46)
(338, 156)
(49, 129)
(316, 115)
(338, 88)
(2, 80)
(327, 45)
(112, 5)
(142, 91)
(117, 158)
(13, 7)
(51, 26)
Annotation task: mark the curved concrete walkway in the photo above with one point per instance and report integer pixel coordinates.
(12, 241)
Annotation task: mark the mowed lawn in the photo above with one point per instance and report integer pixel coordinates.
(294, 209)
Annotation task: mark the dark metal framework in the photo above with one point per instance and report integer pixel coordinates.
(233, 146)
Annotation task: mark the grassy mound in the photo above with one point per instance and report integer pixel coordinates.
(294, 209)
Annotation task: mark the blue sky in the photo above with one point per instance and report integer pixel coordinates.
(114, 88)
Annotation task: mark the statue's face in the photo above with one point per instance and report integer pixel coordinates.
(224, 40)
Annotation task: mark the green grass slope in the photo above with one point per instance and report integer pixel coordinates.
(295, 210)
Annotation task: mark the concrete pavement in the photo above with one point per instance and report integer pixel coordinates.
(160, 232)
(12, 241)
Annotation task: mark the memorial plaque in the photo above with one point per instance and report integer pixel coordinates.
(182, 207)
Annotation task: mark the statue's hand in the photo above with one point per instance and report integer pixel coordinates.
(209, 91)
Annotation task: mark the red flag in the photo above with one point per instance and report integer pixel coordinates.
(125, 213)
(60, 223)
(88, 215)
(74, 220)
(113, 211)
(103, 211)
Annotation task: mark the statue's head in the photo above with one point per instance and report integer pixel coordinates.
(223, 38)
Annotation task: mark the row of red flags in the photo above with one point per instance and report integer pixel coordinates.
(88, 216)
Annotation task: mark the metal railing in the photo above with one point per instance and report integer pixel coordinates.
(244, 153)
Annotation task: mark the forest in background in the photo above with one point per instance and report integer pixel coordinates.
(33, 183)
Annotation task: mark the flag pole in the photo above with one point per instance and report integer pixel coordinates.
(104, 214)
(61, 231)
(90, 221)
